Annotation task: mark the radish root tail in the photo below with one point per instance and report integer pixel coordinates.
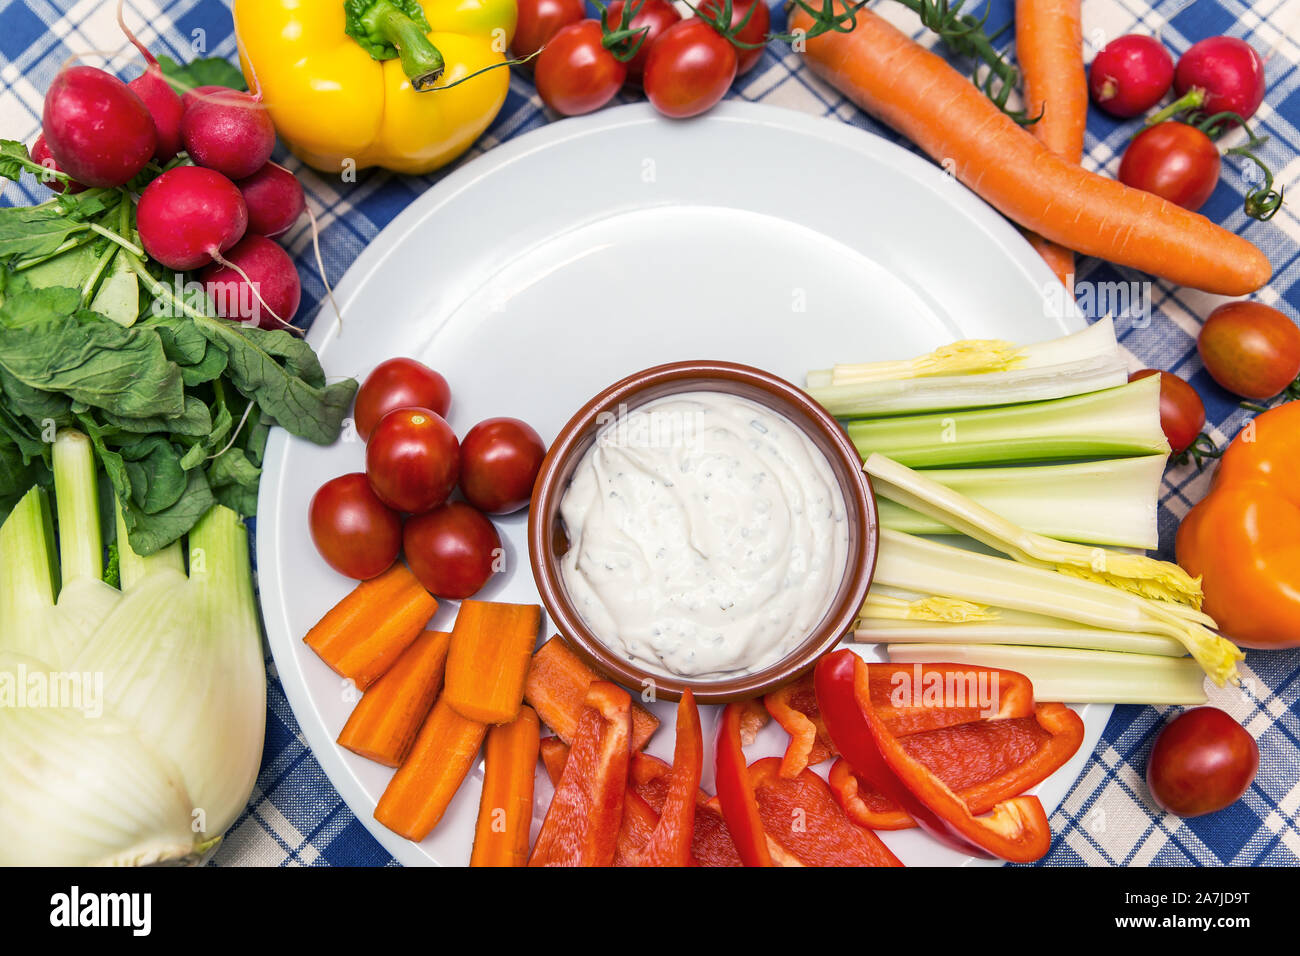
(135, 40)
(222, 260)
(320, 264)
(234, 435)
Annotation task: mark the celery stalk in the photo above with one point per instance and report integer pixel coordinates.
(1111, 502)
(1073, 675)
(930, 609)
(1112, 423)
(889, 616)
(928, 567)
(1051, 633)
(1161, 580)
(974, 373)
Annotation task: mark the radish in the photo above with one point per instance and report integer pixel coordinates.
(40, 153)
(157, 95)
(259, 278)
(98, 130)
(228, 131)
(1221, 74)
(274, 198)
(199, 93)
(1130, 75)
(188, 216)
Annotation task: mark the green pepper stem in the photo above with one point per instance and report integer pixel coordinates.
(421, 60)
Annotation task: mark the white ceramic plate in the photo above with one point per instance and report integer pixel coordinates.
(565, 259)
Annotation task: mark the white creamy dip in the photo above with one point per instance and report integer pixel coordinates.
(708, 535)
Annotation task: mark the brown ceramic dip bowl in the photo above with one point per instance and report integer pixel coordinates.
(547, 541)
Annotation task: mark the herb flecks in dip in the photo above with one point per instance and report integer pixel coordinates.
(707, 533)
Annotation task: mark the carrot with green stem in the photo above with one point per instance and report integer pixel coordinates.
(916, 92)
(1049, 44)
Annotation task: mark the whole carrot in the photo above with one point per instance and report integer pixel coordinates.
(915, 92)
(1049, 46)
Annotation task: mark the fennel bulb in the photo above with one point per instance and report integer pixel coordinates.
(164, 761)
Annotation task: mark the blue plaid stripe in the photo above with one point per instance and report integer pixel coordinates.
(296, 818)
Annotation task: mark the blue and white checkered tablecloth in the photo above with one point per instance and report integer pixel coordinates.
(295, 816)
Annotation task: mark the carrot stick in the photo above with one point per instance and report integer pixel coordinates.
(385, 721)
(491, 645)
(556, 686)
(364, 634)
(505, 810)
(914, 91)
(1049, 45)
(423, 787)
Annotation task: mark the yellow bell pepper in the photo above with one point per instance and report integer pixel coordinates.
(357, 83)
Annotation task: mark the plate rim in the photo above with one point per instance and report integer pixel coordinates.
(464, 176)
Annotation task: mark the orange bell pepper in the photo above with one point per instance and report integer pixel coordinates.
(582, 823)
(985, 762)
(1243, 539)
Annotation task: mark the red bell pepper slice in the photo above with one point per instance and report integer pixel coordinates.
(670, 843)
(582, 823)
(648, 779)
(736, 792)
(710, 840)
(1016, 829)
(803, 819)
(834, 677)
(915, 698)
(984, 762)
(639, 818)
(795, 708)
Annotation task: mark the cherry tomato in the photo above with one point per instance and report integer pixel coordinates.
(1182, 413)
(413, 460)
(1202, 761)
(399, 383)
(658, 16)
(690, 68)
(755, 29)
(575, 73)
(1173, 160)
(500, 459)
(453, 550)
(1250, 348)
(356, 533)
(539, 20)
